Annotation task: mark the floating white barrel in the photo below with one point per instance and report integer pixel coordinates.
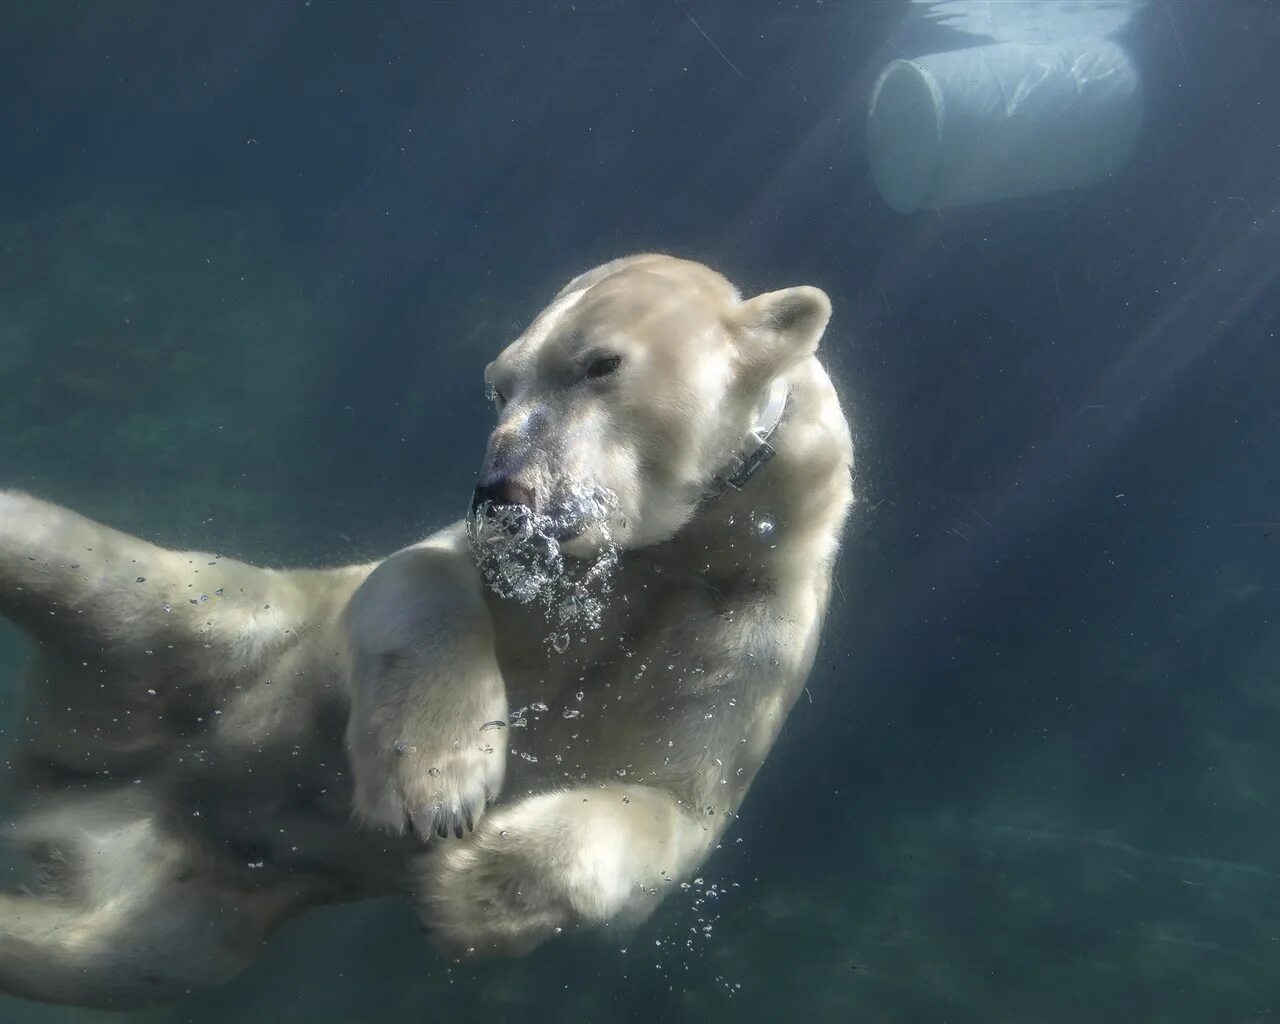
(1001, 121)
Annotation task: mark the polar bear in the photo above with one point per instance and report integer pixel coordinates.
(539, 719)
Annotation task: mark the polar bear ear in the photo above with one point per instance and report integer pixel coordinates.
(778, 329)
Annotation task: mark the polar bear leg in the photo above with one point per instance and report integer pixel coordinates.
(424, 683)
(124, 914)
(79, 586)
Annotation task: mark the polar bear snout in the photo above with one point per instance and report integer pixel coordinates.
(492, 497)
(504, 504)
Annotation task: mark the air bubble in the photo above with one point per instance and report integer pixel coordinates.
(518, 553)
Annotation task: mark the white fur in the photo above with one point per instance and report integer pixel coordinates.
(220, 746)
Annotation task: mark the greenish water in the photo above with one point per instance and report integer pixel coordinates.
(252, 265)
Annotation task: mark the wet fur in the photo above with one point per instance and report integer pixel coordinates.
(213, 747)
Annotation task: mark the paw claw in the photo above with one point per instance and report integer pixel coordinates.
(440, 821)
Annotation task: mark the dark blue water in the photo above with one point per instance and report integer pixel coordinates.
(253, 259)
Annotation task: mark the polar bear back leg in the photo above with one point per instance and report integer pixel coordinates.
(125, 911)
(77, 585)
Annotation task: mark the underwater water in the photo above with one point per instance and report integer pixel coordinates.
(255, 258)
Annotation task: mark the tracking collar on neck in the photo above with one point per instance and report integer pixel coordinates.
(756, 449)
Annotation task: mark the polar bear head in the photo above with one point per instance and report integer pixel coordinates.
(631, 395)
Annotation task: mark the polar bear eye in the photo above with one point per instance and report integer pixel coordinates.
(603, 366)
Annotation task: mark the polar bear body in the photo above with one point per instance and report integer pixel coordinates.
(213, 747)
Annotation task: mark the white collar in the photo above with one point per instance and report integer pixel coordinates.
(756, 450)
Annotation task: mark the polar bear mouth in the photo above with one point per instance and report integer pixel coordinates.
(568, 520)
(518, 551)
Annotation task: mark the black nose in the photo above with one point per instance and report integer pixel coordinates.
(500, 492)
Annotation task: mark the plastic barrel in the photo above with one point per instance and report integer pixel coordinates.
(1001, 121)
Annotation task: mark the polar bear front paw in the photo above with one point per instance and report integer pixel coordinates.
(489, 896)
(438, 783)
(553, 863)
